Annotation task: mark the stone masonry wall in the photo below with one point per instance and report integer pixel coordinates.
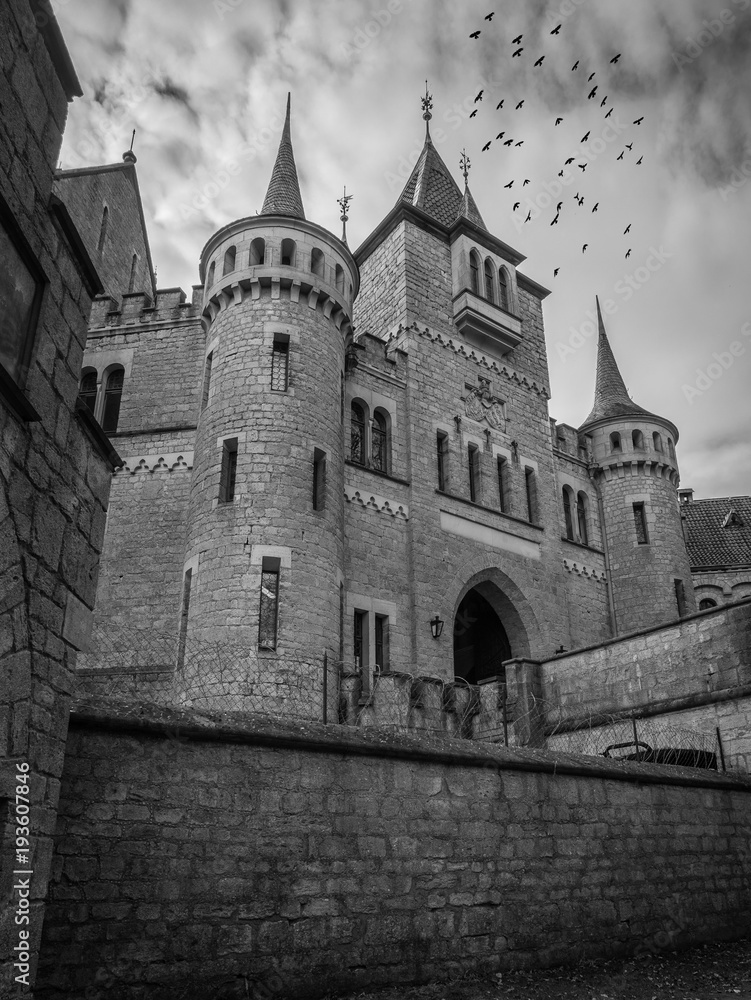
(54, 483)
(212, 862)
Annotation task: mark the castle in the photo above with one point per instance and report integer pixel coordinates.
(328, 451)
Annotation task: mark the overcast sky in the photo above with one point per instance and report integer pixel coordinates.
(204, 82)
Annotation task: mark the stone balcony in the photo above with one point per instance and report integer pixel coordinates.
(486, 323)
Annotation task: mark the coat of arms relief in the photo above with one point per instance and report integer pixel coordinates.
(481, 405)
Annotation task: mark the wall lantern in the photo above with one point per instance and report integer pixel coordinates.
(436, 627)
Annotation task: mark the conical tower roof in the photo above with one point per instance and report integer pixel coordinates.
(283, 195)
(611, 396)
(432, 189)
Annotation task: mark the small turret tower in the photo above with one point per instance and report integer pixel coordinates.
(265, 543)
(634, 465)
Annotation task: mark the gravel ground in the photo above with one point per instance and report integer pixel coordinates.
(719, 971)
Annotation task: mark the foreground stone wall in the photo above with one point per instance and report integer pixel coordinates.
(196, 860)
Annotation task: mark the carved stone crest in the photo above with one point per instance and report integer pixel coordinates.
(481, 405)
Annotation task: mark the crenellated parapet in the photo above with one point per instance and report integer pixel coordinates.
(138, 309)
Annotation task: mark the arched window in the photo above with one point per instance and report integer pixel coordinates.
(113, 390)
(133, 266)
(339, 278)
(582, 503)
(103, 229)
(87, 390)
(474, 272)
(357, 434)
(489, 281)
(637, 439)
(317, 261)
(210, 276)
(288, 253)
(615, 441)
(504, 289)
(671, 448)
(657, 441)
(706, 604)
(380, 442)
(230, 255)
(567, 512)
(257, 252)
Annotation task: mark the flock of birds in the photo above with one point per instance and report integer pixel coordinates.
(518, 50)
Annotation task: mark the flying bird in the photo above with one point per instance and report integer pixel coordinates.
(621, 156)
(555, 273)
(479, 96)
(500, 135)
(627, 230)
(640, 161)
(558, 121)
(585, 247)
(527, 181)
(639, 120)
(561, 173)
(517, 53)
(615, 59)
(604, 101)
(582, 166)
(628, 255)
(473, 113)
(580, 200)
(609, 113)
(555, 221)
(509, 185)
(499, 105)
(540, 61)
(569, 161)
(517, 205)
(592, 93)
(629, 146)
(517, 40)
(592, 76)
(558, 208)
(509, 142)
(475, 34)
(586, 137)
(596, 207)
(486, 147)
(519, 105)
(575, 66)
(489, 17)
(520, 142)
(529, 217)
(557, 31)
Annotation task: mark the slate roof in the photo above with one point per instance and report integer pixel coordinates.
(283, 196)
(432, 188)
(708, 543)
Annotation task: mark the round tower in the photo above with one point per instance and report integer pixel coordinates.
(634, 466)
(265, 541)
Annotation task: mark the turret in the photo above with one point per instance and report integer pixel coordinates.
(634, 465)
(265, 545)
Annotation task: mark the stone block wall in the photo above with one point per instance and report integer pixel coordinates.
(208, 861)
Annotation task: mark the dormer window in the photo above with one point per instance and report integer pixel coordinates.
(733, 520)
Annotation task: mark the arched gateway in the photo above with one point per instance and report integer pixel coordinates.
(487, 631)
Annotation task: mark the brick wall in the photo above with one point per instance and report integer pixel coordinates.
(241, 862)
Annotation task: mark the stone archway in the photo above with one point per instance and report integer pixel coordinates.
(481, 644)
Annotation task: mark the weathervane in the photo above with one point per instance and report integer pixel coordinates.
(427, 107)
(465, 163)
(343, 203)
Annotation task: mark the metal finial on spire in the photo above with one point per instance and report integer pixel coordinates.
(465, 163)
(132, 139)
(427, 109)
(343, 203)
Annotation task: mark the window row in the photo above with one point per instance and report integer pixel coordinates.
(638, 443)
(370, 437)
(576, 515)
(492, 285)
(103, 399)
(289, 256)
(228, 475)
(480, 487)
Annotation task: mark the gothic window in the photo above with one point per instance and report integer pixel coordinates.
(210, 277)
(531, 487)
(280, 363)
(228, 474)
(473, 456)
(381, 642)
(379, 443)
(706, 604)
(206, 380)
(103, 229)
(582, 503)
(503, 284)
(319, 479)
(640, 523)
(357, 434)
(442, 454)
(615, 441)
(257, 252)
(184, 609)
(133, 266)
(339, 278)
(637, 439)
(288, 253)
(268, 614)
(317, 261)
(474, 272)
(230, 255)
(489, 281)
(87, 390)
(503, 485)
(657, 441)
(568, 513)
(113, 390)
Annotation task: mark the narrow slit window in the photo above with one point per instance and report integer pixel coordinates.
(360, 639)
(257, 252)
(184, 609)
(357, 434)
(288, 253)
(568, 514)
(210, 276)
(615, 441)
(503, 485)
(640, 523)
(206, 380)
(489, 281)
(680, 598)
(442, 453)
(503, 286)
(87, 391)
(228, 475)
(317, 262)
(474, 273)
(280, 365)
(581, 515)
(113, 392)
(379, 443)
(381, 642)
(319, 479)
(473, 458)
(229, 261)
(531, 485)
(268, 614)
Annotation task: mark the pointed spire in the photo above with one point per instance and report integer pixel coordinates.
(611, 395)
(283, 195)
